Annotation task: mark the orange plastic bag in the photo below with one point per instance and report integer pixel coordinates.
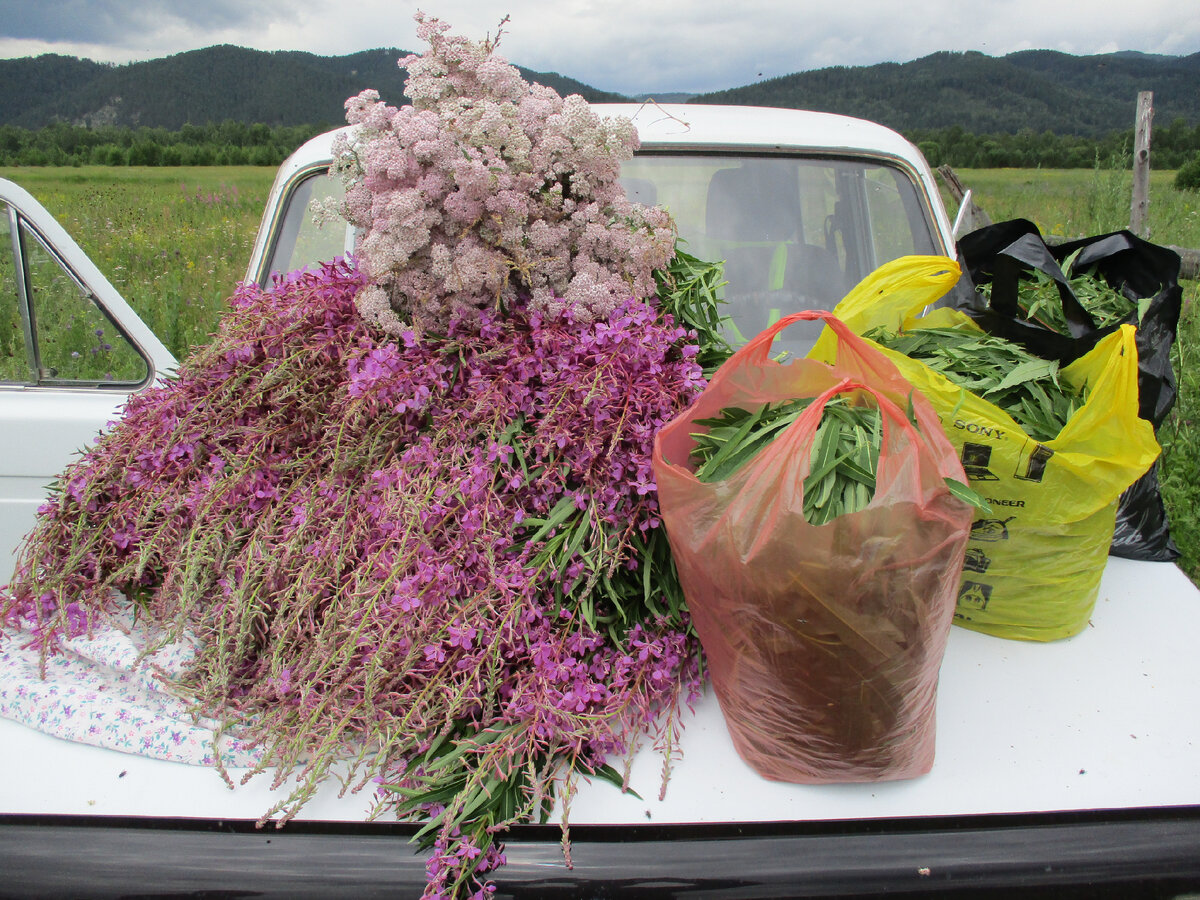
(823, 642)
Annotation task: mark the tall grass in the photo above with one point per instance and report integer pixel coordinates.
(1078, 202)
(1180, 439)
(175, 242)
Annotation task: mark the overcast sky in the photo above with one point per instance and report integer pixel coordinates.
(630, 46)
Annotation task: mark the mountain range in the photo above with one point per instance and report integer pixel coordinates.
(1039, 90)
(211, 85)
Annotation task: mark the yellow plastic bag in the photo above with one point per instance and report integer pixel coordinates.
(1034, 563)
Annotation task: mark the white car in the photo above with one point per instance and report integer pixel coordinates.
(1073, 765)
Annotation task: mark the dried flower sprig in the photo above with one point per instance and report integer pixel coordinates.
(489, 192)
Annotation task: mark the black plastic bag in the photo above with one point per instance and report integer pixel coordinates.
(1003, 254)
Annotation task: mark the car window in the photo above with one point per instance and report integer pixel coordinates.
(14, 360)
(54, 332)
(897, 224)
(305, 238)
(795, 232)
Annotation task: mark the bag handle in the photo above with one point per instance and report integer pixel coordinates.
(756, 353)
(758, 348)
(894, 473)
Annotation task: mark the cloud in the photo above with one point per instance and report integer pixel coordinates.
(631, 46)
(699, 45)
(124, 22)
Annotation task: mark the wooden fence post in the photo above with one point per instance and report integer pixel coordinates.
(1141, 165)
(970, 214)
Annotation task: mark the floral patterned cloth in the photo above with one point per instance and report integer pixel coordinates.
(104, 690)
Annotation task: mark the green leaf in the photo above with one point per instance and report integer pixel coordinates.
(1031, 369)
(967, 494)
(743, 429)
(559, 514)
(607, 773)
(1143, 306)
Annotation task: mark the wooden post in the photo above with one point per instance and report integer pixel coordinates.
(1141, 165)
(970, 214)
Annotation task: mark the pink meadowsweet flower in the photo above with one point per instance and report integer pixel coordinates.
(472, 171)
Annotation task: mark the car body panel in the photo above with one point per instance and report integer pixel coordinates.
(1096, 854)
(45, 425)
(1067, 763)
(1097, 721)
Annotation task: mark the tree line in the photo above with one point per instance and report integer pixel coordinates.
(281, 87)
(1038, 90)
(228, 143)
(1171, 147)
(232, 143)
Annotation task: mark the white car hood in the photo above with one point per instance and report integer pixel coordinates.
(1104, 720)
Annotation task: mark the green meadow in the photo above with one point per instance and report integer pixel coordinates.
(176, 241)
(1077, 202)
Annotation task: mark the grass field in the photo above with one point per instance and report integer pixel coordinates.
(176, 241)
(173, 241)
(1078, 202)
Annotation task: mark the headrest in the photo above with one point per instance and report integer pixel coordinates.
(758, 201)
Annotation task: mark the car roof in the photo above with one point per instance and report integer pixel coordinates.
(758, 127)
(717, 128)
(690, 128)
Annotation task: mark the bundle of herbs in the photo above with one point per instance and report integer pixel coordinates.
(820, 547)
(1039, 299)
(843, 458)
(406, 506)
(1024, 386)
(845, 695)
(1060, 300)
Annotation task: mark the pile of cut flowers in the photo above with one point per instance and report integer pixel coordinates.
(404, 502)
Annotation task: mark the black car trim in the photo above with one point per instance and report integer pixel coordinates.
(1093, 853)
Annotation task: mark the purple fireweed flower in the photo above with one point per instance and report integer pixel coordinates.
(346, 518)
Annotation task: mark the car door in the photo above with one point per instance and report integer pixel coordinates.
(71, 352)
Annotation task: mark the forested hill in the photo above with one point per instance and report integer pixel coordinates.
(1041, 90)
(1038, 90)
(211, 85)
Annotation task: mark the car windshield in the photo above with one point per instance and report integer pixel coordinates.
(795, 232)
